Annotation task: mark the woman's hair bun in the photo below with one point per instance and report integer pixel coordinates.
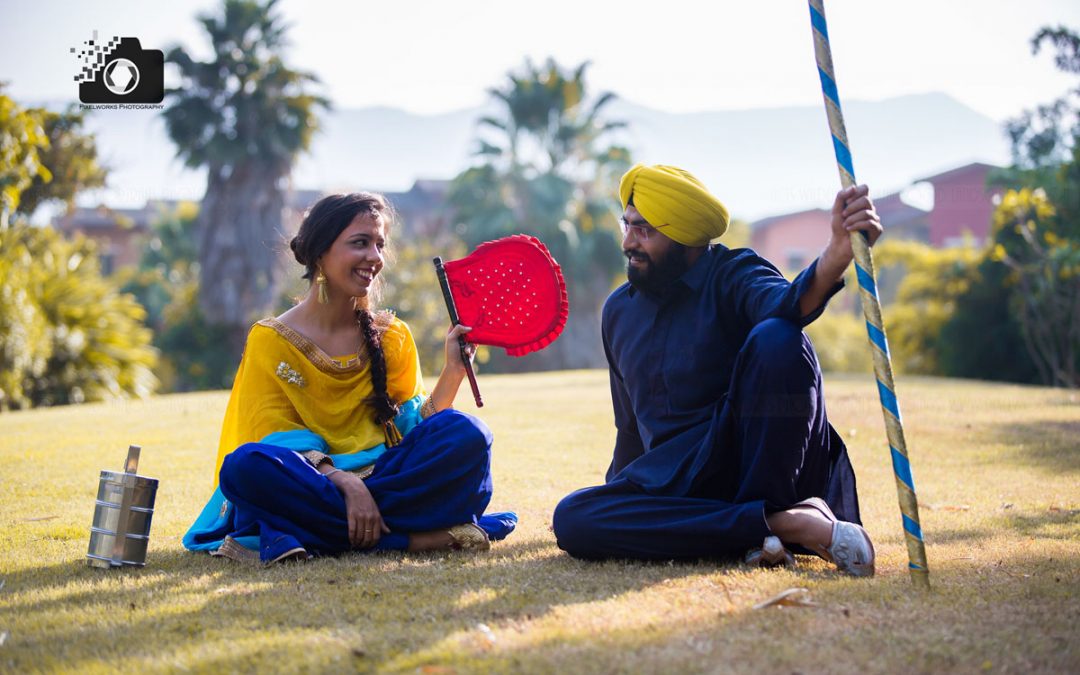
(294, 246)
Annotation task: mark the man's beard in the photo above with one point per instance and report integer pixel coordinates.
(657, 276)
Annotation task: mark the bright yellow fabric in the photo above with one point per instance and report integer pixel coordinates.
(327, 399)
(674, 202)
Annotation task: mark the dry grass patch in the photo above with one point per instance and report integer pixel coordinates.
(997, 468)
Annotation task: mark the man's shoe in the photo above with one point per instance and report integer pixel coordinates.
(771, 554)
(850, 549)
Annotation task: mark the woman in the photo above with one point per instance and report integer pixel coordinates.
(330, 442)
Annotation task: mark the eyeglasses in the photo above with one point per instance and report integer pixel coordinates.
(641, 231)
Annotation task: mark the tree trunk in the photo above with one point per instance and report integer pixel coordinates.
(239, 240)
(581, 345)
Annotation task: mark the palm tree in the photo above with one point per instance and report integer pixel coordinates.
(548, 169)
(546, 126)
(245, 116)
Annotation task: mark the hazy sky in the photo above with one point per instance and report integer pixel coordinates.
(676, 55)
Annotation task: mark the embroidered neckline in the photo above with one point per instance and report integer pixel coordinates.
(316, 355)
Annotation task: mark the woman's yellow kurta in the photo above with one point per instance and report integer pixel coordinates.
(286, 382)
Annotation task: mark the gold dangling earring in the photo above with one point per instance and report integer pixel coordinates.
(320, 281)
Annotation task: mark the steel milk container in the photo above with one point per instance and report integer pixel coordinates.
(122, 512)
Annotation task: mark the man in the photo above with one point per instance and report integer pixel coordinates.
(722, 440)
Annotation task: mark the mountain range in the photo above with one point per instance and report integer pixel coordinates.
(760, 162)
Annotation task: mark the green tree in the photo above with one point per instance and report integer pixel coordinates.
(411, 290)
(79, 338)
(1043, 139)
(549, 168)
(99, 343)
(22, 142)
(168, 263)
(72, 158)
(945, 317)
(198, 353)
(23, 350)
(1034, 243)
(926, 298)
(245, 116)
(195, 354)
(1009, 311)
(983, 338)
(1036, 228)
(66, 334)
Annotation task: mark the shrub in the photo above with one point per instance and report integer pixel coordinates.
(69, 334)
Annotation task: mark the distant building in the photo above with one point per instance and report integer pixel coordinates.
(121, 234)
(963, 206)
(902, 220)
(423, 210)
(792, 240)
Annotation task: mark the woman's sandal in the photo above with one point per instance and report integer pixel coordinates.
(851, 549)
(232, 550)
(468, 537)
(298, 554)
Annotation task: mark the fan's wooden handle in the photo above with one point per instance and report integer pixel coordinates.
(440, 271)
(472, 375)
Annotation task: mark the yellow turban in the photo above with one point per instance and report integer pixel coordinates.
(675, 202)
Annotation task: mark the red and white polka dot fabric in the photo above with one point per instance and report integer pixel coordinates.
(511, 292)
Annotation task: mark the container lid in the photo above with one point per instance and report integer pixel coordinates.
(132, 479)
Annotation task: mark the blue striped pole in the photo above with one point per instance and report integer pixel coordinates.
(864, 269)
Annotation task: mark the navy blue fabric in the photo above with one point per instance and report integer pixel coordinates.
(620, 520)
(437, 477)
(720, 417)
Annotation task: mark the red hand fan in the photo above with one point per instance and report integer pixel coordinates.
(510, 291)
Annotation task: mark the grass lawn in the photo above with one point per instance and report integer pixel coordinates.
(997, 469)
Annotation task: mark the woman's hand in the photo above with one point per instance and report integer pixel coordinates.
(453, 372)
(366, 525)
(454, 364)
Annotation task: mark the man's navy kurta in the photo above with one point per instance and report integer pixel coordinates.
(672, 362)
(720, 417)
